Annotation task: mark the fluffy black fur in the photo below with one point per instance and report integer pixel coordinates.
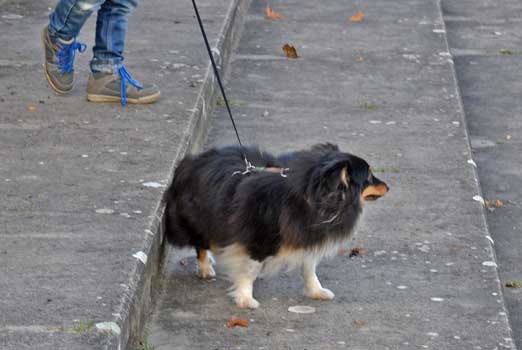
(316, 204)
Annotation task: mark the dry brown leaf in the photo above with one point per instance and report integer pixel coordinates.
(31, 108)
(359, 323)
(233, 322)
(499, 203)
(359, 59)
(488, 203)
(357, 251)
(290, 51)
(271, 14)
(358, 17)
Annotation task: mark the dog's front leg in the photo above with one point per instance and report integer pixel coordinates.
(313, 288)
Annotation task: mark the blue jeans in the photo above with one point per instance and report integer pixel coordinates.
(111, 27)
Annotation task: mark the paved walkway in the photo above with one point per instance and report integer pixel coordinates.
(384, 89)
(81, 184)
(486, 43)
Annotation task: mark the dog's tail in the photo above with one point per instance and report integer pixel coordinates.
(175, 233)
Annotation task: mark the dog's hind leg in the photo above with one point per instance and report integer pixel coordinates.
(313, 288)
(205, 269)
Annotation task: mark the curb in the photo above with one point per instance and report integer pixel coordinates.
(136, 304)
(475, 171)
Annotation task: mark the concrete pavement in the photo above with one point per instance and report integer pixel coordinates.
(384, 89)
(486, 41)
(81, 184)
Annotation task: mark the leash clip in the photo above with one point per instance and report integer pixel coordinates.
(248, 169)
(282, 173)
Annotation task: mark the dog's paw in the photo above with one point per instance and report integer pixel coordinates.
(246, 302)
(321, 294)
(206, 271)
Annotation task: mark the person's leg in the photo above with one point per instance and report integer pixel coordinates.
(59, 40)
(109, 81)
(111, 30)
(69, 16)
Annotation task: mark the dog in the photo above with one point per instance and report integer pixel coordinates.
(285, 211)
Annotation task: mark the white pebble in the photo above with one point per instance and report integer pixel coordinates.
(153, 184)
(141, 256)
(104, 211)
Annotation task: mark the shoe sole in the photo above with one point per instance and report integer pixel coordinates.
(54, 87)
(135, 101)
(48, 77)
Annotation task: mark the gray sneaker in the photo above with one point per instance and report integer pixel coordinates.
(120, 87)
(59, 61)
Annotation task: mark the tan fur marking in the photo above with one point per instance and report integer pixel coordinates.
(345, 178)
(202, 256)
(379, 190)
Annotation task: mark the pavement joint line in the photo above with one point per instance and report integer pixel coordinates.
(479, 52)
(259, 57)
(494, 21)
(474, 170)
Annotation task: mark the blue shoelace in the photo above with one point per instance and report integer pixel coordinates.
(66, 53)
(124, 78)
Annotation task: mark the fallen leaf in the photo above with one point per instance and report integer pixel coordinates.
(271, 14)
(233, 322)
(31, 108)
(359, 323)
(357, 251)
(513, 284)
(359, 59)
(488, 203)
(358, 17)
(499, 203)
(290, 51)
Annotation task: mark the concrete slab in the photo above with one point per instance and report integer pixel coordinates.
(491, 89)
(383, 89)
(81, 183)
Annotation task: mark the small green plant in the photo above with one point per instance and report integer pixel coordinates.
(231, 101)
(378, 169)
(500, 142)
(145, 345)
(506, 52)
(367, 105)
(83, 327)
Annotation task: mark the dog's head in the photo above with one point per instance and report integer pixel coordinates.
(341, 179)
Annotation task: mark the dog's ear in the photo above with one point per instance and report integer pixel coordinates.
(335, 175)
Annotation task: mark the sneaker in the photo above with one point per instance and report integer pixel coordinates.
(120, 87)
(59, 61)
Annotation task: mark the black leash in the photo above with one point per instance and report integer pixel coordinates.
(248, 165)
(216, 72)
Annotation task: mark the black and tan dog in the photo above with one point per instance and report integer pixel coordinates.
(291, 211)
